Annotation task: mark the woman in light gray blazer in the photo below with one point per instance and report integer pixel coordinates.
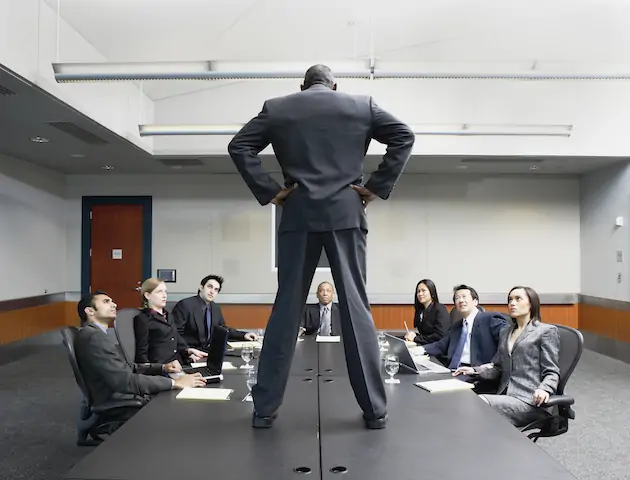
(526, 364)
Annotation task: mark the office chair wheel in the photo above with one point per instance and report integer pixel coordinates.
(83, 441)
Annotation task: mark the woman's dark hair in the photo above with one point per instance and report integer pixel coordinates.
(534, 302)
(418, 307)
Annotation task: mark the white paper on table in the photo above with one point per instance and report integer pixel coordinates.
(327, 339)
(205, 394)
(237, 345)
(450, 385)
(226, 365)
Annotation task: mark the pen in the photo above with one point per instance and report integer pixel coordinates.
(406, 327)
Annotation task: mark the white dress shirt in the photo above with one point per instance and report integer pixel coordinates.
(469, 321)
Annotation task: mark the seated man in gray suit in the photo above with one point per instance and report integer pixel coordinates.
(322, 318)
(105, 371)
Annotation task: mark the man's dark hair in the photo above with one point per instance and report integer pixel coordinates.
(216, 278)
(87, 301)
(319, 75)
(473, 292)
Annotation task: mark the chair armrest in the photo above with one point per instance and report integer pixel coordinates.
(123, 403)
(559, 401)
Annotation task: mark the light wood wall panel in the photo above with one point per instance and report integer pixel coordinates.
(28, 322)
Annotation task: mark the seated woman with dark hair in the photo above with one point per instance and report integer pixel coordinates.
(526, 364)
(431, 319)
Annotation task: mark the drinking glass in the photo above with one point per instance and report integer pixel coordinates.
(391, 367)
(252, 379)
(382, 342)
(260, 333)
(247, 353)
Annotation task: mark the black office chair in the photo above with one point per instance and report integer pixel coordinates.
(557, 422)
(123, 326)
(96, 420)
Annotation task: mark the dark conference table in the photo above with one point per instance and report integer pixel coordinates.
(447, 436)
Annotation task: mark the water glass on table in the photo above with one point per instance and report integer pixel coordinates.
(391, 367)
(247, 354)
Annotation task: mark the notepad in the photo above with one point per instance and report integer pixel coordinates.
(226, 365)
(237, 345)
(205, 394)
(327, 339)
(449, 385)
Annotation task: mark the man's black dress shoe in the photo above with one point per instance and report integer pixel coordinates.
(263, 422)
(376, 423)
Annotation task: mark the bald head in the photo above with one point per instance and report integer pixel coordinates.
(319, 75)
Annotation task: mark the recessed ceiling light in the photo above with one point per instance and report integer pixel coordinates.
(533, 167)
(462, 167)
(39, 140)
(107, 167)
(77, 155)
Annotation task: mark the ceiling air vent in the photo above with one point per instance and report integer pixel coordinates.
(5, 92)
(78, 133)
(181, 162)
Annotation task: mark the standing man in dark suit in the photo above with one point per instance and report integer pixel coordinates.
(474, 339)
(105, 371)
(320, 138)
(195, 316)
(322, 318)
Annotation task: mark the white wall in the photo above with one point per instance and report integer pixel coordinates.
(32, 230)
(605, 195)
(491, 232)
(595, 108)
(28, 46)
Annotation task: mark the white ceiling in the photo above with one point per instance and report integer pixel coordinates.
(328, 30)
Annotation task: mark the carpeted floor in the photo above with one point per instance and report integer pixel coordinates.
(39, 399)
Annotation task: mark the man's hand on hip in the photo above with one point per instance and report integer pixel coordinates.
(279, 199)
(366, 195)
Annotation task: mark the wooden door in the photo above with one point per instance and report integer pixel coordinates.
(116, 252)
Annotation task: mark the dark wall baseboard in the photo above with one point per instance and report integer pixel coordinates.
(28, 302)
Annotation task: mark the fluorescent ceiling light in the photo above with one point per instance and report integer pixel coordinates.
(461, 130)
(221, 70)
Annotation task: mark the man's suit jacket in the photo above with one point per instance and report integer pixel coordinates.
(484, 339)
(532, 365)
(435, 324)
(320, 138)
(311, 321)
(189, 316)
(106, 372)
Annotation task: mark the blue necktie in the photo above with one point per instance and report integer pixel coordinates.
(208, 323)
(457, 355)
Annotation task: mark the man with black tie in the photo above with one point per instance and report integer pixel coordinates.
(195, 316)
(322, 318)
(320, 138)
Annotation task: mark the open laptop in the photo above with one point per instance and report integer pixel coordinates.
(398, 347)
(216, 353)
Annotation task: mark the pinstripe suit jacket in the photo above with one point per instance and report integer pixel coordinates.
(533, 363)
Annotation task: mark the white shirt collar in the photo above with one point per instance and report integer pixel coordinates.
(471, 318)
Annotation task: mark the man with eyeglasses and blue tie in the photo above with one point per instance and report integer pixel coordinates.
(474, 339)
(195, 316)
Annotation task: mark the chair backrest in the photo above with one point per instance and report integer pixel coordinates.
(69, 337)
(123, 326)
(571, 347)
